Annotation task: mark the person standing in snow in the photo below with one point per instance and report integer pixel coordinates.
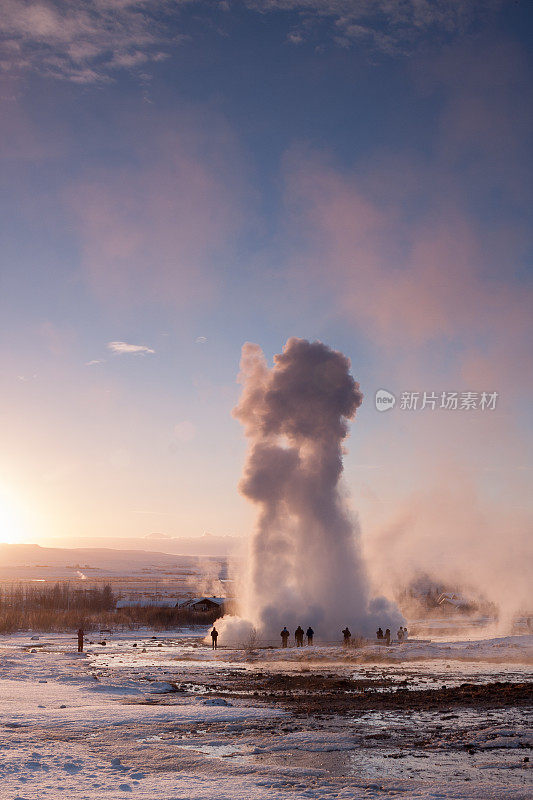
(80, 640)
(299, 636)
(309, 633)
(387, 636)
(284, 636)
(214, 637)
(399, 635)
(405, 634)
(347, 636)
(379, 633)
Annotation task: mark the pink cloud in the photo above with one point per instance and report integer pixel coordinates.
(399, 282)
(398, 251)
(158, 230)
(385, 26)
(84, 41)
(402, 243)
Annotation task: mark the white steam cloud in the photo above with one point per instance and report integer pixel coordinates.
(305, 566)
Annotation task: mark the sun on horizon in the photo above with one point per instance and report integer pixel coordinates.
(13, 527)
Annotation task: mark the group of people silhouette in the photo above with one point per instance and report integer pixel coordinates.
(401, 635)
(298, 636)
(346, 633)
(309, 633)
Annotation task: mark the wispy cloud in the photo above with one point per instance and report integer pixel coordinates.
(123, 348)
(185, 431)
(87, 41)
(390, 27)
(95, 362)
(84, 40)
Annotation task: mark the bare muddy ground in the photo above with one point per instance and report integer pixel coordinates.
(312, 693)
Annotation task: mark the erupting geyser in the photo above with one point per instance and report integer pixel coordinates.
(305, 565)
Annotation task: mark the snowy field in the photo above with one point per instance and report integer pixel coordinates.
(148, 716)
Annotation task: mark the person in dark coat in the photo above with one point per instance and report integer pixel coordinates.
(379, 633)
(309, 633)
(347, 635)
(214, 637)
(299, 636)
(81, 634)
(284, 636)
(387, 635)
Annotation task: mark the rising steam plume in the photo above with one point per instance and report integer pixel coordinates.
(305, 565)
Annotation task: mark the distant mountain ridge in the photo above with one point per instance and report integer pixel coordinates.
(14, 556)
(206, 545)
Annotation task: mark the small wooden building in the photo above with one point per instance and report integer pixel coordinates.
(206, 603)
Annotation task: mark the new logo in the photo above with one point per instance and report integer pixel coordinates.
(384, 400)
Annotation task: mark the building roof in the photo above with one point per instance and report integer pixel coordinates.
(219, 601)
(451, 598)
(162, 602)
(169, 602)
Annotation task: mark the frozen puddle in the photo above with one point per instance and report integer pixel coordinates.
(218, 750)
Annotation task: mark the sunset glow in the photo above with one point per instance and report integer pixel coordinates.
(266, 518)
(12, 528)
(179, 179)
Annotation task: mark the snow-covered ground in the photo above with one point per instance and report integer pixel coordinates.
(110, 723)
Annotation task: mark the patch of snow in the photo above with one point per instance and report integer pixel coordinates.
(216, 701)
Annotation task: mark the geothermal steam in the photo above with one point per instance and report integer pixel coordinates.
(304, 563)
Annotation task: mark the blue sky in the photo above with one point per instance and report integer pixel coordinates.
(185, 177)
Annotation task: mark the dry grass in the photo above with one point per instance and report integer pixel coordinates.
(357, 641)
(58, 608)
(13, 620)
(251, 643)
